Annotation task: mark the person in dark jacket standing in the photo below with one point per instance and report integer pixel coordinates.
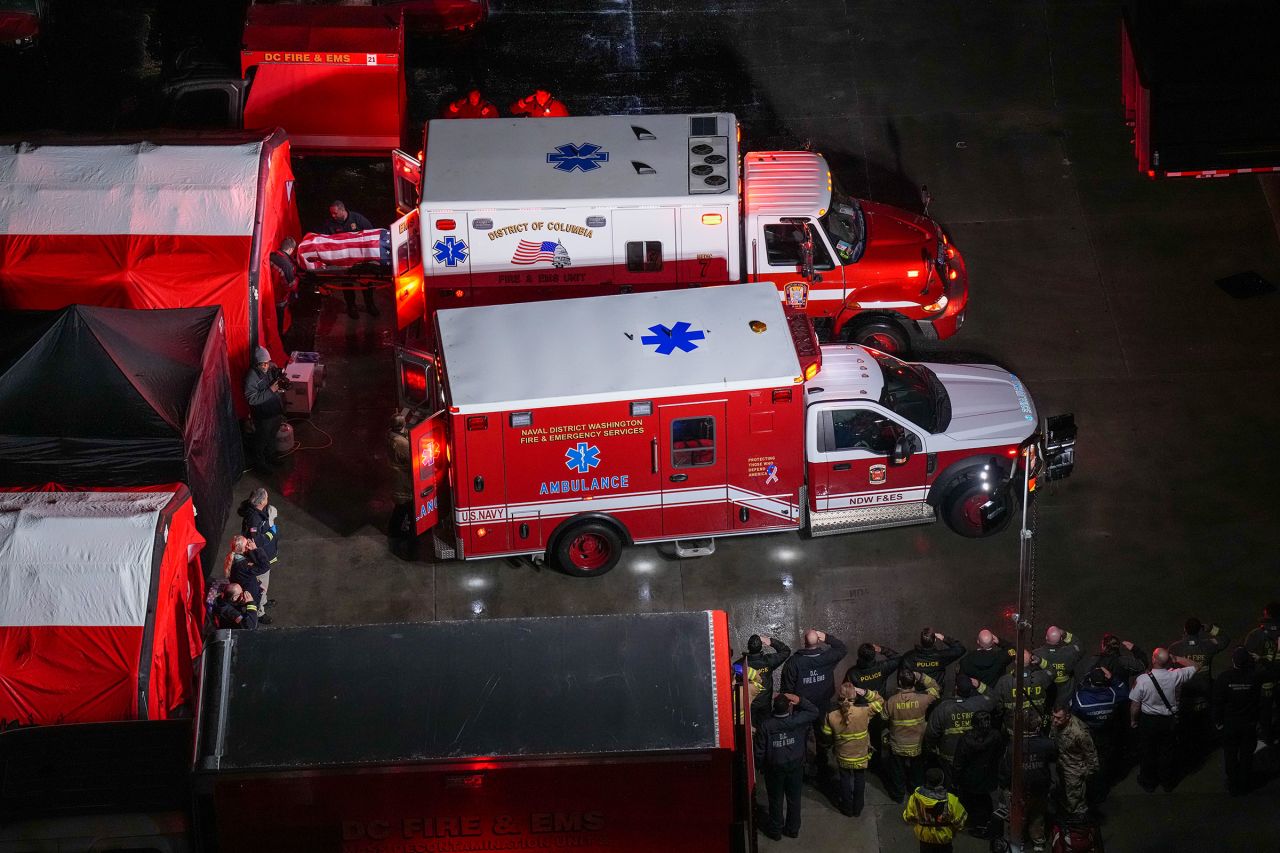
(1263, 643)
(780, 745)
(989, 660)
(1060, 653)
(1101, 701)
(258, 525)
(235, 608)
(401, 530)
(765, 655)
(933, 653)
(874, 665)
(1237, 695)
(1200, 644)
(262, 393)
(1038, 755)
(284, 278)
(341, 221)
(810, 673)
(1037, 688)
(976, 767)
(953, 717)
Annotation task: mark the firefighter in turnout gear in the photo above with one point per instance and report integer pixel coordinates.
(780, 744)
(953, 717)
(764, 656)
(1037, 687)
(810, 672)
(541, 104)
(907, 711)
(1060, 654)
(1263, 643)
(1200, 645)
(848, 729)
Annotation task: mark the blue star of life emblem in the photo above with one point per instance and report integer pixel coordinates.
(586, 157)
(582, 458)
(450, 251)
(678, 337)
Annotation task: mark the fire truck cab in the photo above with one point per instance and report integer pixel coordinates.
(568, 429)
(508, 210)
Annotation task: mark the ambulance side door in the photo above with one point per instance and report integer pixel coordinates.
(851, 448)
(644, 248)
(776, 255)
(420, 399)
(692, 462)
(484, 484)
(447, 250)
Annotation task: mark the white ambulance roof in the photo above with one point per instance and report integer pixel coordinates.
(787, 183)
(521, 162)
(848, 372)
(573, 351)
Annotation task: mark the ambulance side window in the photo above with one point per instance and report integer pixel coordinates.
(644, 256)
(693, 442)
(782, 246)
(861, 429)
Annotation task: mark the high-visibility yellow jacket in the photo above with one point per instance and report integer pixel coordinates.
(934, 815)
(852, 745)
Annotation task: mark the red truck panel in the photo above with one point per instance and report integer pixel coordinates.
(667, 803)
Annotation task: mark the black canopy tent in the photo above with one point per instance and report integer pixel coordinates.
(101, 397)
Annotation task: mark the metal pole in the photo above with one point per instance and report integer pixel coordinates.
(1023, 622)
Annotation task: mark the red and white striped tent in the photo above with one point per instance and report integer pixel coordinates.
(101, 605)
(144, 224)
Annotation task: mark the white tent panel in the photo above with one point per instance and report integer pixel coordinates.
(140, 189)
(77, 558)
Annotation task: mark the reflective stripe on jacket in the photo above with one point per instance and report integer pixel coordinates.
(852, 747)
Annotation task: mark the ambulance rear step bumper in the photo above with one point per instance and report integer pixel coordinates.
(444, 548)
(830, 522)
(694, 547)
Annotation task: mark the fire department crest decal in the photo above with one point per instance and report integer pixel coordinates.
(877, 474)
(582, 457)
(797, 294)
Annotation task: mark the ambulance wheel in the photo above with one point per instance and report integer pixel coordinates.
(966, 511)
(881, 334)
(587, 549)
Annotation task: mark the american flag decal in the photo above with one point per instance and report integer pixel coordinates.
(532, 251)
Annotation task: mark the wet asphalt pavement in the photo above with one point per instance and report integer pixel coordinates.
(1095, 285)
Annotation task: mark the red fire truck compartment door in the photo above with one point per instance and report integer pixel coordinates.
(484, 486)
(694, 469)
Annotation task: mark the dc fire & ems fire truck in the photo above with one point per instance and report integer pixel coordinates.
(569, 429)
(510, 210)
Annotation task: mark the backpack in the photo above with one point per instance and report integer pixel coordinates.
(1076, 837)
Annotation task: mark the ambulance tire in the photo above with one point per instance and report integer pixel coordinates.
(587, 549)
(879, 333)
(962, 509)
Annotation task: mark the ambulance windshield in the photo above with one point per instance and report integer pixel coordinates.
(845, 226)
(912, 390)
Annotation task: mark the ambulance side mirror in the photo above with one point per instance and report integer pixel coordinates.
(806, 255)
(903, 447)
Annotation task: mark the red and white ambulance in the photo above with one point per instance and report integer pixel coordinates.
(509, 210)
(568, 429)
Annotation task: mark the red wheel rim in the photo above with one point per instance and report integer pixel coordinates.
(882, 341)
(971, 509)
(589, 551)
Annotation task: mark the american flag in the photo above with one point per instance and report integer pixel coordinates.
(531, 251)
(345, 249)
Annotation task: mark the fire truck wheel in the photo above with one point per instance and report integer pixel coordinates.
(963, 509)
(587, 549)
(884, 335)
